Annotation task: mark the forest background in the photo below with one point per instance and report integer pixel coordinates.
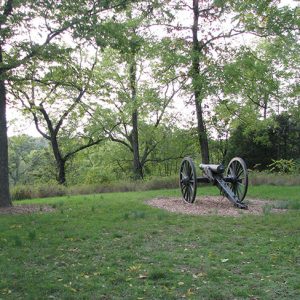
(123, 90)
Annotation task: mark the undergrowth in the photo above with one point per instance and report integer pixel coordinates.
(54, 190)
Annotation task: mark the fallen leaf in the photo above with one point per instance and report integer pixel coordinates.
(96, 273)
(198, 275)
(134, 268)
(70, 288)
(15, 226)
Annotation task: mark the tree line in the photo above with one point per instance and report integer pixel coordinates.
(102, 77)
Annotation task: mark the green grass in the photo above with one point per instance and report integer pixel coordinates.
(113, 246)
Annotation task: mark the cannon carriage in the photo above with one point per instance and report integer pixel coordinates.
(232, 181)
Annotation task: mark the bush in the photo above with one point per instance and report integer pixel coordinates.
(50, 190)
(161, 183)
(21, 192)
(260, 178)
(122, 186)
(287, 166)
(55, 190)
(125, 186)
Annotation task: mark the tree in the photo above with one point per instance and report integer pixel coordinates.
(28, 30)
(20, 151)
(202, 48)
(13, 54)
(214, 24)
(135, 98)
(262, 78)
(197, 83)
(257, 83)
(55, 103)
(176, 143)
(274, 138)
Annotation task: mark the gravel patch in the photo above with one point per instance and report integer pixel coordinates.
(25, 209)
(210, 205)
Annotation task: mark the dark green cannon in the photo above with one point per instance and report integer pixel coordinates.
(232, 182)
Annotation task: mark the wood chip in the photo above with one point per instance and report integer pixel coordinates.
(211, 205)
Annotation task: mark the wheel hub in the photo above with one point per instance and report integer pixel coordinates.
(185, 180)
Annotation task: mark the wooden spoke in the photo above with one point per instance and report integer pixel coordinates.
(188, 180)
(237, 170)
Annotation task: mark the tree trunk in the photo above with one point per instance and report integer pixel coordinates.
(137, 167)
(60, 162)
(202, 136)
(265, 107)
(61, 172)
(197, 86)
(4, 178)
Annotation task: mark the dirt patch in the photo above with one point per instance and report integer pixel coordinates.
(210, 205)
(25, 209)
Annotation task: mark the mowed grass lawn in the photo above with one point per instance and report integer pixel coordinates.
(114, 246)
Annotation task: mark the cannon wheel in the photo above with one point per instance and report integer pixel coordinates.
(188, 180)
(237, 169)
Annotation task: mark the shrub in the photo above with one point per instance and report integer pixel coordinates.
(51, 190)
(261, 178)
(125, 186)
(55, 190)
(287, 166)
(21, 192)
(161, 183)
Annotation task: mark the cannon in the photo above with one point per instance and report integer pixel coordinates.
(232, 182)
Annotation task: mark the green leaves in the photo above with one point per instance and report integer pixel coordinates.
(266, 17)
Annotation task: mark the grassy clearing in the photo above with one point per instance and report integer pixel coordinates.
(113, 246)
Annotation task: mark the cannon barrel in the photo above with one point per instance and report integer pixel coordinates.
(218, 169)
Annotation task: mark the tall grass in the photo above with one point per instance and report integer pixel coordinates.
(54, 190)
(262, 178)
(22, 192)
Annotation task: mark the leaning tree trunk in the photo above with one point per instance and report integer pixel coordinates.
(4, 178)
(137, 167)
(197, 86)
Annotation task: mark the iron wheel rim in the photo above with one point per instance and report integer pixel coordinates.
(237, 170)
(188, 180)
